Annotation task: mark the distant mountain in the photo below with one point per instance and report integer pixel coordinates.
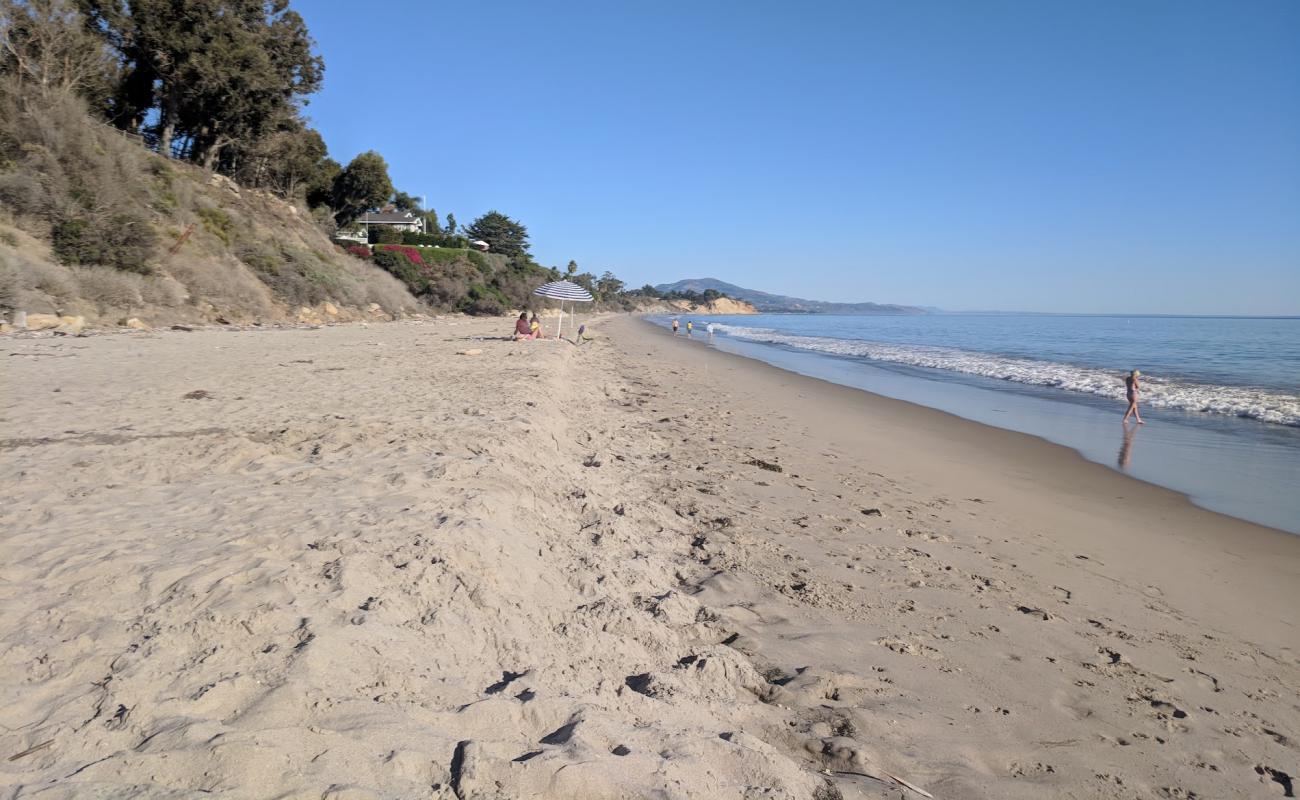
(778, 303)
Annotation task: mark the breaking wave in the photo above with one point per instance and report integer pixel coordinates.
(1251, 403)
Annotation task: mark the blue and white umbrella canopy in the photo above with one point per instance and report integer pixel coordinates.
(564, 291)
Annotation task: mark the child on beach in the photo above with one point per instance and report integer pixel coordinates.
(1131, 389)
(674, 326)
(689, 327)
(535, 326)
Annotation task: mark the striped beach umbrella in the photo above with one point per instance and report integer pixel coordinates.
(564, 291)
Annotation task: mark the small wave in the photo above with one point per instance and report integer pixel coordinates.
(1234, 401)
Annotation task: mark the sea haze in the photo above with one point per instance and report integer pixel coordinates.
(1221, 396)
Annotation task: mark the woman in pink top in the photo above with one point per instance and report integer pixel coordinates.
(522, 329)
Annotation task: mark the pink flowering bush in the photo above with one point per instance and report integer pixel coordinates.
(411, 254)
(359, 250)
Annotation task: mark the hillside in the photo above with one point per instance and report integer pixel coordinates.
(93, 224)
(775, 303)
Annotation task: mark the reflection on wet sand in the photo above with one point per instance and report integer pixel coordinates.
(1126, 446)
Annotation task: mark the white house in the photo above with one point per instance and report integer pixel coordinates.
(403, 221)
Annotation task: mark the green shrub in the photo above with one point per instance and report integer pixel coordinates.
(216, 222)
(74, 242)
(384, 234)
(124, 241)
(441, 255)
(260, 257)
(484, 300)
(312, 268)
(443, 276)
(397, 264)
(166, 201)
(299, 276)
(129, 241)
(434, 240)
(164, 194)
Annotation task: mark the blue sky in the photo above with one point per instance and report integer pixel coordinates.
(1083, 157)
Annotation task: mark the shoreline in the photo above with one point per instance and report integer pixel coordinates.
(1188, 457)
(1029, 462)
(417, 559)
(958, 419)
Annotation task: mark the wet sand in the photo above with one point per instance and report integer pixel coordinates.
(361, 565)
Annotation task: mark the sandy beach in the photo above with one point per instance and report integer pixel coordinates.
(404, 560)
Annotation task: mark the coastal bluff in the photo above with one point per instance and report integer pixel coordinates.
(719, 306)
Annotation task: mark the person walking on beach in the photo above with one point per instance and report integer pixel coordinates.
(675, 323)
(1131, 389)
(689, 327)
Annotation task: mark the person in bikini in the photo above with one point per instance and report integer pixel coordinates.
(1131, 390)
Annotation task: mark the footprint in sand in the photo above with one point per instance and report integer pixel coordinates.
(1205, 679)
(1018, 770)
(1277, 776)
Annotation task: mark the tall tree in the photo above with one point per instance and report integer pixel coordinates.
(405, 202)
(451, 224)
(362, 185)
(135, 94)
(319, 190)
(218, 73)
(503, 234)
(608, 285)
(43, 43)
(288, 162)
(572, 269)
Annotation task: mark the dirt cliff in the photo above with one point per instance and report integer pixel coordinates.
(723, 305)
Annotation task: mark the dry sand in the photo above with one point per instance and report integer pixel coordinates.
(347, 562)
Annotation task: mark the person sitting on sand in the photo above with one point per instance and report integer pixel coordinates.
(522, 329)
(535, 326)
(1131, 389)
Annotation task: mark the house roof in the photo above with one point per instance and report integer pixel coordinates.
(388, 217)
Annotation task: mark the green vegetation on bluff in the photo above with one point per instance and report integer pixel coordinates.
(93, 224)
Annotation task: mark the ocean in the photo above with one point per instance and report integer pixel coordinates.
(1220, 395)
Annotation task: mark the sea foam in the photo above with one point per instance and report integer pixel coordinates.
(1237, 401)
